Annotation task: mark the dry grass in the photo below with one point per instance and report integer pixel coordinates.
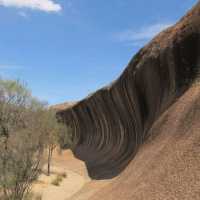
(57, 180)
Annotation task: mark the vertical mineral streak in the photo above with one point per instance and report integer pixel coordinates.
(110, 125)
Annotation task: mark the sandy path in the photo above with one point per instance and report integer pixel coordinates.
(69, 185)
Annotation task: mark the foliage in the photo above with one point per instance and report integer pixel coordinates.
(65, 136)
(27, 129)
(21, 139)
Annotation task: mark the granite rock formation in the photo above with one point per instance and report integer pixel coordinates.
(110, 125)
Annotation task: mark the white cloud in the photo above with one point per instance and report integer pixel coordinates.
(142, 35)
(43, 5)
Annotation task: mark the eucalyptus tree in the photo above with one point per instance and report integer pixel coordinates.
(21, 139)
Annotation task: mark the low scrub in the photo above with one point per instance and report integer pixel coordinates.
(57, 180)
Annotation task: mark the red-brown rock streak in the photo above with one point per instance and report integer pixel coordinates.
(110, 125)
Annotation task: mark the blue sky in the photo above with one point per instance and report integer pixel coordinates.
(66, 49)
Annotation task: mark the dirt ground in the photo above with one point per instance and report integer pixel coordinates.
(76, 178)
(71, 186)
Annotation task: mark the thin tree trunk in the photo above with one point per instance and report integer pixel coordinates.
(50, 152)
(4, 165)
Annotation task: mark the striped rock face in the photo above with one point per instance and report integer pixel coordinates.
(110, 125)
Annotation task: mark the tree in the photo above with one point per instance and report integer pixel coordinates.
(56, 133)
(51, 132)
(27, 128)
(21, 139)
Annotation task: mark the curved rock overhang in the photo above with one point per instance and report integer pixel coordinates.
(110, 125)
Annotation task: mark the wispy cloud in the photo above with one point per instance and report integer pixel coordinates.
(142, 35)
(23, 14)
(10, 71)
(42, 5)
(11, 67)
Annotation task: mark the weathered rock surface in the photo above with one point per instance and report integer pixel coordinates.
(110, 125)
(166, 166)
(63, 106)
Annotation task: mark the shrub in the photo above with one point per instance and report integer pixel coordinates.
(57, 180)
